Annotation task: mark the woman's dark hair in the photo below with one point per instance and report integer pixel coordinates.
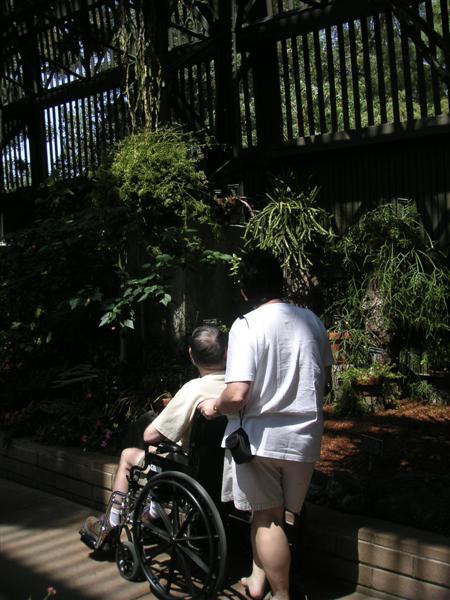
(208, 346)
(261, 276)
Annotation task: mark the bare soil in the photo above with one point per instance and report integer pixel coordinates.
(409, 482)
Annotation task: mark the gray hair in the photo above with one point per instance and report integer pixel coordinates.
(208, 346)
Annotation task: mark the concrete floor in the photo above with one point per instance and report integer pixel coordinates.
(40, 547)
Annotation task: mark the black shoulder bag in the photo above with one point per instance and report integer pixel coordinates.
(239, 444)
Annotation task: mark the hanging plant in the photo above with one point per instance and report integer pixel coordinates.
(295, 230)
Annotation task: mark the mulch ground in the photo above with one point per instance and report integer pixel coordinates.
(409, 482)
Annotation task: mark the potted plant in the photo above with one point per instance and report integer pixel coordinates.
(365, 389)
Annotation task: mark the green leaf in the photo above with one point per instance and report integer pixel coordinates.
(105, 319)
(73, 303)
(166, 299)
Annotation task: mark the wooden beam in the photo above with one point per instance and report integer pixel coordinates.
(66, 93)
(293, 23)
(376, 134)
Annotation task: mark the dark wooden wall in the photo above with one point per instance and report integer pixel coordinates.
(345, 92)
(356, 179)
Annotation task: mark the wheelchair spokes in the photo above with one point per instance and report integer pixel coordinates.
(180, 554)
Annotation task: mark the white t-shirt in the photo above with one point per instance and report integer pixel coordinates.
(283, 350)
(174, 422)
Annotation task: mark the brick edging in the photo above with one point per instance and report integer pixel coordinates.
(389, 559)
(384, 559)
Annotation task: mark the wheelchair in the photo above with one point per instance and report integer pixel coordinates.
(182, 553)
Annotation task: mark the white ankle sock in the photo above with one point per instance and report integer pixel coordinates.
(114, 516)
(154, 513)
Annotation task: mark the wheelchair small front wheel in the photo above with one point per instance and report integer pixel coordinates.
(127, 561)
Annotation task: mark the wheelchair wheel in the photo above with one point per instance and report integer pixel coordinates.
(183, 552)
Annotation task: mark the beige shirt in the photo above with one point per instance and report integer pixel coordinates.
(174, 422)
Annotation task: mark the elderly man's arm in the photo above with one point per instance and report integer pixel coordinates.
(232, 400)
(152, 435)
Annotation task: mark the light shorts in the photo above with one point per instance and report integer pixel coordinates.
(266, 483)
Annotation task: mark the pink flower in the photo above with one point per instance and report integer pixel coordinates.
(104, 444)
(84, 439)
(51, 591)
(108, 434)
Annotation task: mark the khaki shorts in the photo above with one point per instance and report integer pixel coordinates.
(266, 483)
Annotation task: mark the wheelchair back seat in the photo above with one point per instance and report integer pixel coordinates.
(206, 453)
(204, 458)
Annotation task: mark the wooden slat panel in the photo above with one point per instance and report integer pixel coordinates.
(73, 138)
(421, 81)
(407, 76)
(210, 96)
(103, 130)
(355, 77)
(367, 71)
(247, 115)
(392, 67)
(109, 115)
(319, 81)
(287, 90)
(61, 142)
(446, 35)
(434, 77)
(89, 105)
(49, 133)
(297, 88)
(84, 137)
(199, 85)
(343, 77)
(331, 80)
(191, 90)
(309, 97)
(380, 68)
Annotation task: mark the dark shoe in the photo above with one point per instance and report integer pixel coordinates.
(95, 531)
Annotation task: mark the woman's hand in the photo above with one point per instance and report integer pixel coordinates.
(208, 408)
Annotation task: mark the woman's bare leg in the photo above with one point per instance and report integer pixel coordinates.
(271, 554)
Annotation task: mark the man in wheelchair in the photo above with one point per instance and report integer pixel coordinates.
(207, 350)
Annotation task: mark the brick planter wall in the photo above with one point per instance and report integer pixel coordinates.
(377, 557)
(382, 558)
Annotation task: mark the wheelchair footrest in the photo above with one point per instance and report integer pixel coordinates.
(87, 539)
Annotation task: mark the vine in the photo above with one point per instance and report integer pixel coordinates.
(142, 68)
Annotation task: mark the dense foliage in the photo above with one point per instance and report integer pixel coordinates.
(395, 285)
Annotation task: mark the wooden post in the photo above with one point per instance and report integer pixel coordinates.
(157, 30)
(266, 86)
(227, 108)
(34, 115)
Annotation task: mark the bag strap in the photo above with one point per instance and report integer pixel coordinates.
(241, 412)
